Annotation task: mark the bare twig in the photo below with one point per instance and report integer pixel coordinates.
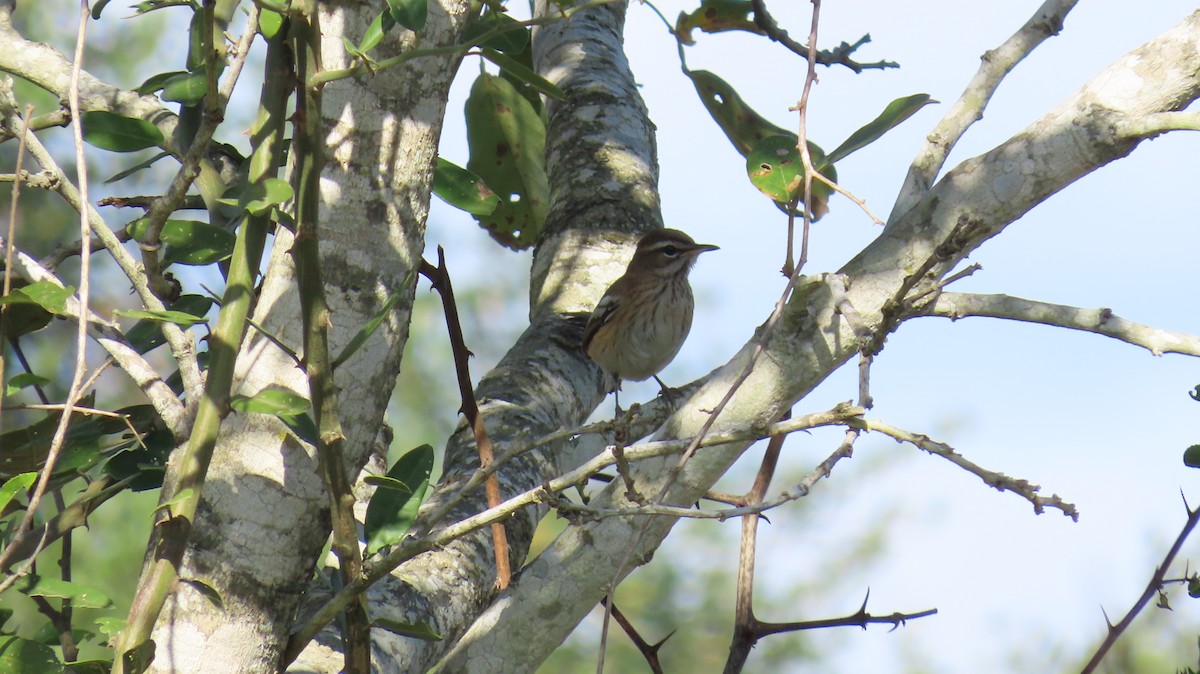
(648, 650)
(440, 278)
(10, 248)
(428, 539)
(1100, 321)
(999, 481)
(841, 55)
(1046, 22)
(1154, 586)
(744, 637)
(76, 389)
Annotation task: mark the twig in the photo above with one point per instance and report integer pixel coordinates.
(1101, 321)
(1046, 22)
(1155, 585)
(648, 650)
(80, 367)
(859, 618)
(999, 481)
(440, 278)
(767, 24)
(106, 333)
(743, 638)
(429, 539)
(10, 249)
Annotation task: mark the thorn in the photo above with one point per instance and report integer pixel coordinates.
(664, 640)
(863, 608)
(1106, 620)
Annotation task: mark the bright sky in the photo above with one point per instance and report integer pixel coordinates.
(1101, 423)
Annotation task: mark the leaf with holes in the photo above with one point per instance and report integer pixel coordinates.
(716, 16)
(777, 170)
(742, 125)
(507, 139)
(462, 189)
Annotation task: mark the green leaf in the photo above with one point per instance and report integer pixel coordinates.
(260, 198)
(157, 82)
(189, 242)
(25, 449)
(462, 189)
(385, 482)
(90, 666)
(136, 167)
(165, 316)
(523, 74)
(47, 295)
(23, 380)
(207, 591)
(110, 626)
(81, 596)
(110, 131)
(178, 498)
(409, 13)
(742, 125)
(24, 314)
(715, 16)
(137, 659)
(407, 629)
(19, 655)
(513, 39)
(777, 170)
(507, 139)
(14, 484)
(375, 32)
(1191, 457)
(146, 465)
(269, 23)
(146, 335)
(303, 427)
(188, 88)
(98, 7)
(391, 511)
(48, 634)
(896, 112)
(367, 330)
(274, 401)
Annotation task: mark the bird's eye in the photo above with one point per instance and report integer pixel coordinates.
(670, 251)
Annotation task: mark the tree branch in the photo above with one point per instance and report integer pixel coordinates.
(1100, 321)
(1045, 23)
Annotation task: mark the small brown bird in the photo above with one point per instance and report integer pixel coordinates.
(643, 318)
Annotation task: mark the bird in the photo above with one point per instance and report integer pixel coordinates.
(643, 318)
